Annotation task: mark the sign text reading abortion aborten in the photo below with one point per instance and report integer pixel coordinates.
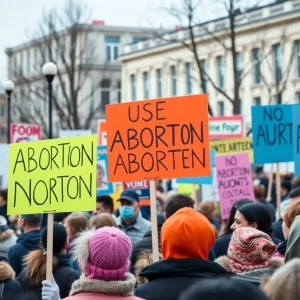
(163, 138)
(53, 176)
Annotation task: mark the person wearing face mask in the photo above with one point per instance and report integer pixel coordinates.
(130, 220)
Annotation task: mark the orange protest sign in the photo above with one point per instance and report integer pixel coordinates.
(156, 139)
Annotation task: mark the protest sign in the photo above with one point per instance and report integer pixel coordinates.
(233, 146)
(118, 189)
(24, 132)
(272, 133)
(225, 127)
(53, 176)
(103, 186)
(204, 179)
(186, 188)
(158, 139)
(210, 191)
(71, 133)
(102, 133)
(296, 138)
(4, 160)
(142, 189)
(234, 177)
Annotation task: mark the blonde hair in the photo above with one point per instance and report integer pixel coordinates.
(101, 220)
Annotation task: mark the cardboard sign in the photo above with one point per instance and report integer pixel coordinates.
(142, 188)
(158, 139)
(234, 177)
(272, 133)
(296, 139)
(204, 179)
(226, 127)
(24, 133)
(102, 133)
(186, 188)
(4, 160)
(71, 133)
(103, 186)
(56, 175)
(233, 146)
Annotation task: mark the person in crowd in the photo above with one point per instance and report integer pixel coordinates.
(7, 237)
(104, 257)
(277, 226)
(130, 220)
(34, 272)
(3, 204)
(13, 220)
(75, 223)
(259, 194)
(250, 255)
(293, 244)
(186, 238)
(254, 215)
(221, 244)
(101, 220)
(223, 288)
(285, 188)
(176, 202)
(28, 241)
(9, 288)
(284, 283)
(104, 204)
(208, 209)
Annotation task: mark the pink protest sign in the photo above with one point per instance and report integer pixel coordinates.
(234, 178)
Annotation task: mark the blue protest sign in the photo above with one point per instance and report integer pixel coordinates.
(103, 186)
(296, 138)
(142, 188)
(204, 179)
(272, 133)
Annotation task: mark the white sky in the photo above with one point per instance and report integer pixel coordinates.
(18, 18)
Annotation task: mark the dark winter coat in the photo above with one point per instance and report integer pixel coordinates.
(270, 207)
(12, 288)
(63, 275)
(221, 245)
(277, 230)
(169, 278)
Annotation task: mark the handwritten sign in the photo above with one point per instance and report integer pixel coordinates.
(233, 146)
(158, 139)
(24, 132)
(226, 127)
(296, 138)
(53, 176)
(234, 179)
(201, 180)
(142, 188)
(103, 186)
(272, 133)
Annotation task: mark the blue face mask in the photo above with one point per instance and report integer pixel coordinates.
(127, 212)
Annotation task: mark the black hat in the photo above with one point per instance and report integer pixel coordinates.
(59, 237)
(129, 195)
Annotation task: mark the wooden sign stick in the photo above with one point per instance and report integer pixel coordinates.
(49, 260)
(194, 194)
(155, 249)
(278, 196)
(270, 183)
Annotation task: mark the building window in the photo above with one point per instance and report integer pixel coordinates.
(105, 93)
(277, 62)
(298, 97)
(112, 44)
(173, 81)
(239, 66)
(21, 63)
(36, 58)
(15, 63)
(133, 87)
(298, 58)
(256, 101)
(28, 61)
(2, 111)
(119, 87)
(256, 66)
(146, 85)
(220, 67)
(220, 108)
(188, 72)
(137, 39)
(204, 70)
(158, 83)
(275, 99)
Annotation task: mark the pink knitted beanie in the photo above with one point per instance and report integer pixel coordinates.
(109, 250)
(250, 249)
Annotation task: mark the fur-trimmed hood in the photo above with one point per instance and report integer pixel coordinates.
(6, 271)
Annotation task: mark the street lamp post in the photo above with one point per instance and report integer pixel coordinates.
(9, 87)
(49, 70)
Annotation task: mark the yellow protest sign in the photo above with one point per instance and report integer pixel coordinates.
(53, 176)
(186, 188)
(233, 146)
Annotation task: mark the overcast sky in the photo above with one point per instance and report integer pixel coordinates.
(18, 18)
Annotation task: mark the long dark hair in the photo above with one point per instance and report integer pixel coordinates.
(258, 213)
(233, 210)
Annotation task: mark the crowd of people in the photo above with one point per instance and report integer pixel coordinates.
(107, 253)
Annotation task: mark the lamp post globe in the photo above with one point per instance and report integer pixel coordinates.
(9, 86)
(49, 69)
